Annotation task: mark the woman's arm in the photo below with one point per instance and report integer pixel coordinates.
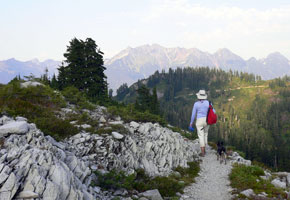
(193, 115)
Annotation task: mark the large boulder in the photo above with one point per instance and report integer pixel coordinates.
(277, 183)
(15, 127)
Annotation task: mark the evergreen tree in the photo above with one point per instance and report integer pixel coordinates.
(147, 102)
(122, 91)
(155, 103)
(44, 78)
(54, 82)
(63, 75)
(84, 69)
(110, 93)
(143, 99)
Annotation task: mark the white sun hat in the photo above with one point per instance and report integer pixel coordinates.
(201, 94)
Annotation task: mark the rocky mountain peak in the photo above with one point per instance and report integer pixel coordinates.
(276, 56)
(132, 64)
(252, 59)
(11, 61)
(225, 53)
(140, 62)
(35, 61)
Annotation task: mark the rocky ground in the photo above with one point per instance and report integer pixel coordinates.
(212, 182)
(35, 166)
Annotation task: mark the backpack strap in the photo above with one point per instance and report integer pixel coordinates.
(209, 103)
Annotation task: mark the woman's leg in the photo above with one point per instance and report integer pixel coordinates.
(206, 134)
(200, 133)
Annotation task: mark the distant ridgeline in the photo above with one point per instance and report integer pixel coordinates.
(253, 115)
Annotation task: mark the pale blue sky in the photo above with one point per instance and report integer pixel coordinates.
(42, 29)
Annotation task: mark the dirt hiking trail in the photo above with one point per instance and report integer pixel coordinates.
(213, 180)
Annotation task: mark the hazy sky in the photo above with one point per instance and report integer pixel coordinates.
(43, 28)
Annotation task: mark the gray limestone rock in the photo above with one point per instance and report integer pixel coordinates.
(248, 192)
(116, 123)
(30, 84)
(102, 119)
(121, 192)
(4, 120)
(5, 174)
(277, 183)
(20, 119)
(27, 195)
(62, 170)
(152, 194)
(143, 198)
(19, 127)
(117, 135)
(41, 165)
(97, 189)
(51, 192)
(61, 176)
(134, 125)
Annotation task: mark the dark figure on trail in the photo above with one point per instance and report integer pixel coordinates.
(221, 152)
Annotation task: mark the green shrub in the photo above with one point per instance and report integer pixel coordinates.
(167, 186)
(84, 117)
(38, 105)
(104, 130)
(248, 177)
(55, 127)
(230, 148)
(109, 129)
(186, 134)
(213, 145)
(39, 95)
(74, 96)
(188, 174)
(141, 181)
(262, 165)
(115, 180)
(242, 154)
(129, 113)
(119, 128)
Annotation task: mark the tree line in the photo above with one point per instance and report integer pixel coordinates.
(261, 131)
(264, 135)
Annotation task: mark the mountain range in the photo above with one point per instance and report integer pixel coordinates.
(12, 67)
(132, 64)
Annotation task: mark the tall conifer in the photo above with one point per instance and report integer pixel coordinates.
(84, 69)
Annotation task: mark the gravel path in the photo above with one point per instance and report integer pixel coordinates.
(212, 182)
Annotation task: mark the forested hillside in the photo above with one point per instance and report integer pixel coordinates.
(253, 115)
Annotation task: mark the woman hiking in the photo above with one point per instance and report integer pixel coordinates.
(200, 109)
